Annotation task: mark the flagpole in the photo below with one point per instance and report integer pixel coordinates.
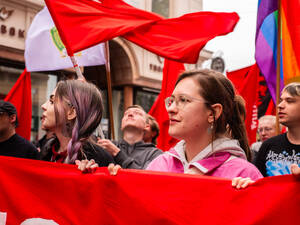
(76, 67)
(278, 64)
(109, 90)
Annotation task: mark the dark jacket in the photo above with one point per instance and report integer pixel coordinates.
(90, 151)
(136, 156)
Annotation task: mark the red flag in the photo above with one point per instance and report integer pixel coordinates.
(246, 82)
(84, 23)
(158, 110)
(60, 192)
(20, 97)
(178, 40)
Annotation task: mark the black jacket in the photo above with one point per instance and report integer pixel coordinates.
(90, 151)
(136, 156)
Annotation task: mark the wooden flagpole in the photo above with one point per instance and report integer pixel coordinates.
(76, 67)
(109, 90)
(278, 65)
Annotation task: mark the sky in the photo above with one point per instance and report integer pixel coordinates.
(237, 47)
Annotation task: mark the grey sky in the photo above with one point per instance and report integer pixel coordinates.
(238, 46)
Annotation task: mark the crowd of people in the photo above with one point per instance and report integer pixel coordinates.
(205, 115)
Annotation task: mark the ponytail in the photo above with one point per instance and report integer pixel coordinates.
(237, 125)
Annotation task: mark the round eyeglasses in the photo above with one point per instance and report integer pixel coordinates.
(181, 101)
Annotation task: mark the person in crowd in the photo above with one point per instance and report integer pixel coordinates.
(151, 131)
(266, 129)
(280, 154)
(132, 152)
(204, 114)
(11, 144)
(41, 142)
(73, 112)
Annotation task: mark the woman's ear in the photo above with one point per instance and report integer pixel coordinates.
(71, 114)
(218, 109)
(215, 112)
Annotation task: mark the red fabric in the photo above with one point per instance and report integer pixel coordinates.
(246, 82)
(61, 193)
(158, 110)
(271, 110)
(179, 39)
(20, 97)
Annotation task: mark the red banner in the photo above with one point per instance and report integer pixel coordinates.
(60, 194)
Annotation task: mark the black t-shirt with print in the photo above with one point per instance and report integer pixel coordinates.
(276, 155)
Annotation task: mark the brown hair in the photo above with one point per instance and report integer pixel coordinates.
(292, 88)
(86, 99)
(153, 126)
(135, 107)
(216, 88)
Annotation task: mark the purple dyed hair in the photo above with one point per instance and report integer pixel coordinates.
(86, 100)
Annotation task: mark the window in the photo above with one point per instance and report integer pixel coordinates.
(161, 7)
(145, 99)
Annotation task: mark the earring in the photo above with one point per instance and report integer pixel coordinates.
(209, 129)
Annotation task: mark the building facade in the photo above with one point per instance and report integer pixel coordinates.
(136, 73)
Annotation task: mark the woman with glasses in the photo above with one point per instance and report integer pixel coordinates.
(204, 112)
(73, 112)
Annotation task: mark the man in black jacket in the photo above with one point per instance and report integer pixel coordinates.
(132, 152)
(11, 144)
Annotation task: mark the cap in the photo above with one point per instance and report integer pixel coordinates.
(9, 108)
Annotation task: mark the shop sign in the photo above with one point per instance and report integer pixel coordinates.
(10, 30)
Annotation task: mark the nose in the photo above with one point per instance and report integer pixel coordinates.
(281, 105)
(44, 106)
(172, 108)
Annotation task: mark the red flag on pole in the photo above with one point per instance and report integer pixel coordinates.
(246, 83)
(84, 23)
(158, 111)
(20, 97)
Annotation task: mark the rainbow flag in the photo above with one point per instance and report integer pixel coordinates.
(266, 42)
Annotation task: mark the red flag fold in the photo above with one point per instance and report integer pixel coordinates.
(20, 97)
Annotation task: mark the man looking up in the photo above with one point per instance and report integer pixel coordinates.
(11, 144)
(131, 151)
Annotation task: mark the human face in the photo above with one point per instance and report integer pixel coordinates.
(134, 118)
(266, 129)
(6, 122)
(48, 117)
(192, 119)
(289, 108)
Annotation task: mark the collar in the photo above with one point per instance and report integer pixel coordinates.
(206, 160)
(58, 157)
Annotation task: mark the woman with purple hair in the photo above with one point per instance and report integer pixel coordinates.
(73, 112)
